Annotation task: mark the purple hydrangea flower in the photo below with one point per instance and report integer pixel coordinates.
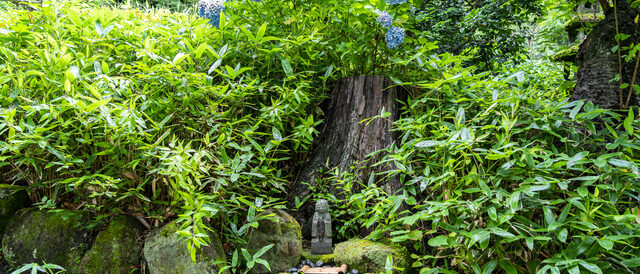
(385, 19)
(393, 2)
(211, 9)
(394, 37)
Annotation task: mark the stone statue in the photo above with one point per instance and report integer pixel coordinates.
(321, 229)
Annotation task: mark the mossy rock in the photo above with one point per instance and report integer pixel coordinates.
(327, 259)
(166, 252)
(370, 257)
(286, 236)
(58, 237)
(567, 55)
(11, 201)
(116, 249)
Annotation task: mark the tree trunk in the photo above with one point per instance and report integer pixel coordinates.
(346, 141)
(598, 65)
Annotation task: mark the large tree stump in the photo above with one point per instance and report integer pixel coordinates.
(598, 65)
(346, 141)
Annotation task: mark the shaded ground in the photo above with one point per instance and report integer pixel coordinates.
(4, 268)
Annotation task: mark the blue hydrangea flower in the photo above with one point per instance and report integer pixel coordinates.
(393, 2)
(394, 37)
(385, 19)
(210, 9)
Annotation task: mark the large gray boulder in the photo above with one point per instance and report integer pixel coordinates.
(284, 232)
(10, 202)
(370, 257)
(60, 237)
(116, 249)
(165, 253)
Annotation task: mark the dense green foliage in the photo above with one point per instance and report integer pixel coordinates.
(517, 178)
(160, 113)
(173, 5)
(491, 31)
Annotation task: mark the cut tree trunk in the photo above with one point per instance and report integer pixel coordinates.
(346, 141)
(598, 65)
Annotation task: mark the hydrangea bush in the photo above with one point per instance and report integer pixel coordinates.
(211, 9)
(395, 37)
(385, 19)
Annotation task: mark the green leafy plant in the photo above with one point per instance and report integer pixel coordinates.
(160, 113)
(35, 268)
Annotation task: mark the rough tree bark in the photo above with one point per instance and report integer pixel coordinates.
(345, 141)
(598, 65)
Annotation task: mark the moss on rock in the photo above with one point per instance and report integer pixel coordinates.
(116, 248)
(325, 258)
(285, 233)
(166, 252)
(370, 257)
(59, 237)
(11, 200)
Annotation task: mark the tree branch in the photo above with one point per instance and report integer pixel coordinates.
(605, 5)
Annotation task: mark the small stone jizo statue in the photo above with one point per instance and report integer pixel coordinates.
(321, 229)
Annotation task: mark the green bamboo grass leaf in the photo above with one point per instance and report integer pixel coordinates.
(492, 213)
(632, 263)
(460, 117)
(97, 68)
(508, 267)
(234, 258)
(576, 109)
(622, 163)
(74, 17)
(628, 121)
(179, 58)
(328, 71)
(529, 243)
(200, 50)
(286, 66)
(106, 31)
(265, 263)
(246, 255)
(98, 28)
(440, 240)
(97, 104)
(262, 251)
(223, 20)
(501, 232)
(577, 158)
(276, 134)
(481, 236)
(247, 33)
(591, 267)
(489, 267)
(606, 244)
(388, 266)
(261, 32)
(427, 144)
(215, 65)
(574, 270)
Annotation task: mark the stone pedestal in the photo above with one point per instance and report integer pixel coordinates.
(321, 247)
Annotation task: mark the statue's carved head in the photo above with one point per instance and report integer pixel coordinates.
(322, 206)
